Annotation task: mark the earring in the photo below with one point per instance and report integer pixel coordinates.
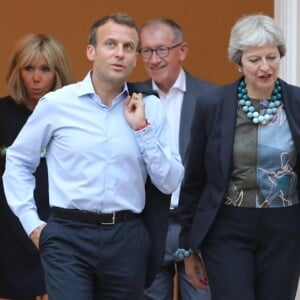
(239, 68)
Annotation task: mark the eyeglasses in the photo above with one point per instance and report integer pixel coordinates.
(160, 52)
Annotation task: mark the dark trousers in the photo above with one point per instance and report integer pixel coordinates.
(163, 284)
(253, 254)
(88, 261)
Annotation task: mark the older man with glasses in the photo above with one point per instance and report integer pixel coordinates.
(164, 50)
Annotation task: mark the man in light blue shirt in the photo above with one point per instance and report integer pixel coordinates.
(101, 145)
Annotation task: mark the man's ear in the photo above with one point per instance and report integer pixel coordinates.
(184, 48)
(90, 52)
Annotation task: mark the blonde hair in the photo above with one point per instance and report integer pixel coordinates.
(30, 48)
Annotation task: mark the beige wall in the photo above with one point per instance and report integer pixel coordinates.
(206, 24)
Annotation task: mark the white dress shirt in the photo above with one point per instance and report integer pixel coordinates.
(172, 102)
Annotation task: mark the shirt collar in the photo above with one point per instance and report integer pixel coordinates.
(86, 86)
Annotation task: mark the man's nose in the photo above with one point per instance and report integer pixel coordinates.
(120, 50)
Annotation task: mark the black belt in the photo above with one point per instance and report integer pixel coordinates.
(92, 217)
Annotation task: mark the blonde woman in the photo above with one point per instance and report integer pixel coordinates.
(39, 65)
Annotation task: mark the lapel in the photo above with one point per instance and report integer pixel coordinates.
(186, 117)
(229, 112)
(291, 98)
(156, 211)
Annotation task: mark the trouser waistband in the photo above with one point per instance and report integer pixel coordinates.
(92, 217)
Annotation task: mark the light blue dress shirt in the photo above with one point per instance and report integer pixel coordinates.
(96, 161)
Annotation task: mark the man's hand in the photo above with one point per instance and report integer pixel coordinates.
(134, 110)
(35, 235)
(196, 272)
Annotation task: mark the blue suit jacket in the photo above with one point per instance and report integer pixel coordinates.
(210, 153)
(157, 204)
(156, 207)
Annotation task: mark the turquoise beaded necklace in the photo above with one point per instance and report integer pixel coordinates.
(247, 106)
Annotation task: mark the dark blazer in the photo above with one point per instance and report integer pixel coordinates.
(194, 88)
(156, 208)
(209, 157)
(156, 212)
(21, 272)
